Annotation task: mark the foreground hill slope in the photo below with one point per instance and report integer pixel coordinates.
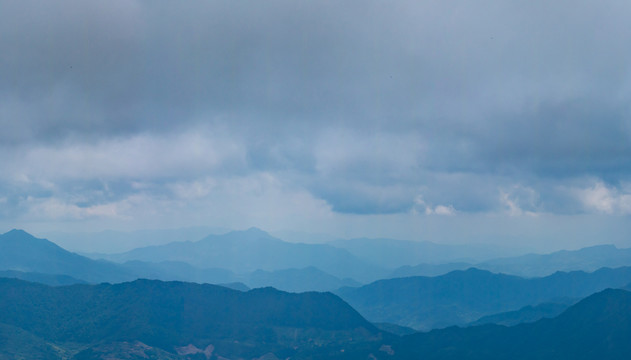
(172, 315)
(461, 297)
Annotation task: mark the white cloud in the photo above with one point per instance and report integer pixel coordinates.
(193, 189)
(444, 210)
(603, 199)
(427, 209)
(56, 209)
(139, 157)
(258, 199)
(519, 200)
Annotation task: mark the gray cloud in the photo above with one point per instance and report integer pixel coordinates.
(517, 108)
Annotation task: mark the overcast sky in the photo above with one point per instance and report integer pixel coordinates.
(452, 121)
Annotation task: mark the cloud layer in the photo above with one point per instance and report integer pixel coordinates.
(312, 111)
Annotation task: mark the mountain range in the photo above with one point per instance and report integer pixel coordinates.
(586, 259)
(111, 241)
(174, 320)
(88, 321)
(154, 319)
(598, 327)
(530, 265)
(461, 297)
(26, 257)
(254, 249)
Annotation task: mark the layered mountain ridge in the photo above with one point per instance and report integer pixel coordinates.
(461, 297)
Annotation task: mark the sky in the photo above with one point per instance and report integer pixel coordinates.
(505, 122)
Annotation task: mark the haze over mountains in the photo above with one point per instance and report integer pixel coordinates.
(390, 253)
(372, 258)
(254, 249)
(530, 265)
(110, 241)
(258, 259)
(24, 253)
(180, 320)
(587, 259)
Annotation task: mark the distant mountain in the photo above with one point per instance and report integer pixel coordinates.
(110, 241)
(586, 259)
(530, 265)
(297, 280)
(598, 327)
(48, 279)
(251, 250)
(527, 314)
(28, 258)
(173, 318)
(23, 252)
(179, 271)
(461, 297)
(293, 280)
(392, 254)
(428, 269)
(236, 286)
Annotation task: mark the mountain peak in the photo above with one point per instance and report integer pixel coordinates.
(604, 247)
(255, 230)
(252, 233)
(17, 232)
(17, 235)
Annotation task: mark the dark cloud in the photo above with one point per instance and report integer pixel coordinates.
(373, 107)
